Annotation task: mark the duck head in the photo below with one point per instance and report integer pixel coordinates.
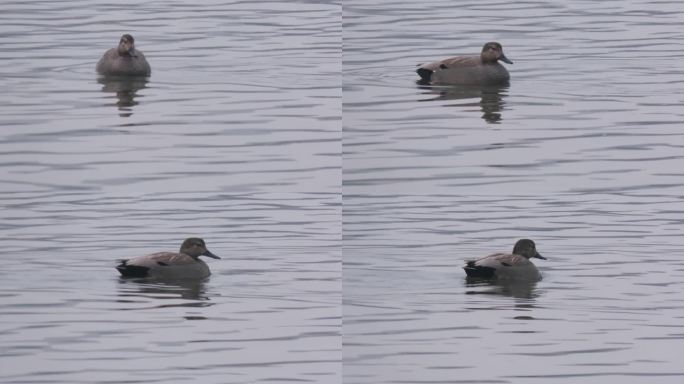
(127, 46)
(526, 247)
(491, 52)
(195, 247)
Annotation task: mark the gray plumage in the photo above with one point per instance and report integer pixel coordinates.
(184, 264)
(484, 69)
(124, 60)
(507, 266)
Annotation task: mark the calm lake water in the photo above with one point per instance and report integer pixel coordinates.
(342, 196)
(583, 153)
(236, 137)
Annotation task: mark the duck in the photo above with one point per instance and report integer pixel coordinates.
(484, 69)
(180, 265)
(124, 60)
(507, 266)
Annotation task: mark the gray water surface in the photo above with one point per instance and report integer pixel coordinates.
(582, 152)
(342, 196)
(235, 137)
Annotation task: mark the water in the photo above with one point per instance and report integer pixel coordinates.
(235, 138)
(582, 153)
(342, 196)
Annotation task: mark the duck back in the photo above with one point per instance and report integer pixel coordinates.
(164, 265)
(503, 266)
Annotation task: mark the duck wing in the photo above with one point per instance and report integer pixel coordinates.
(452, 62)
(425, 71)
(460, 62)
(499, 260)
(154, 260)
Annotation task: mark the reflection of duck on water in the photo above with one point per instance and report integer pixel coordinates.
(510, 288)
(164, 290)
(490, 99)
(125, 87)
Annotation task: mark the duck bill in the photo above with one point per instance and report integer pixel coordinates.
(209, 254)
(505, 59)
(538, 256)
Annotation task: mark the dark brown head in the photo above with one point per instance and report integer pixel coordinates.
(195, 247)
(491, 52)
(526, 247)
(127, 46)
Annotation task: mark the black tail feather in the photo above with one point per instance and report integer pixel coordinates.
(424, 73)
(473, 270)
(131, 270)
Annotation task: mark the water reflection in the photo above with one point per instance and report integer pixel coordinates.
(131, 289)
(490, 99)
(126, 88)
(511, 288)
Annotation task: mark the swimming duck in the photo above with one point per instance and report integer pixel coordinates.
(468, 70)
(506, 265)
(124, 60)
(184, 264)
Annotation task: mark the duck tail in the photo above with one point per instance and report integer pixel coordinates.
(473, 270)
(127, 270)
(425, 74)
